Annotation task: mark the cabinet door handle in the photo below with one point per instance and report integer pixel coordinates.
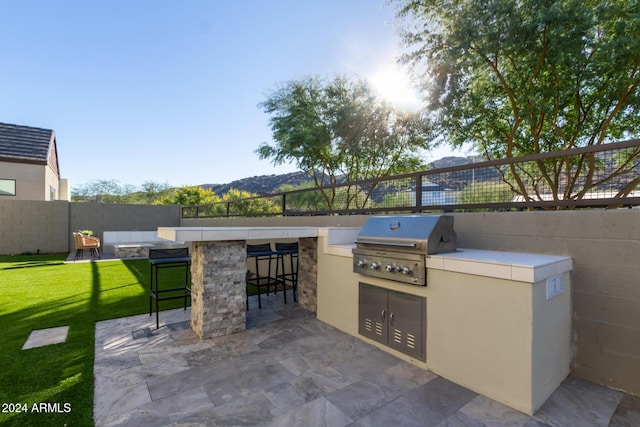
(391, 318)
(383, 315)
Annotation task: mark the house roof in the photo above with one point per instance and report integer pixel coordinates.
(25, 144)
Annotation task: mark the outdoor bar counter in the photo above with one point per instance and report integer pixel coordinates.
(219, 268)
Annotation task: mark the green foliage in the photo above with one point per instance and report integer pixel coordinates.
(189, 196)
(111, 191)
(399, 193)
(486, 192)
(344, 197)
(304, 201)
(154, 191)
(516, 77)
(162, 194)
(234, 202)
(340, 129)
(241, 203)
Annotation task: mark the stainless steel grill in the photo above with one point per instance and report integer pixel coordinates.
(396, 247)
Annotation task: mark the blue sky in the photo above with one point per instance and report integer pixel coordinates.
(168, 91)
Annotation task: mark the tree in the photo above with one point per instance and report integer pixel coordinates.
(103, 191)
(517, 77)
(244, 203)
(486, 192)
(189, 196)
(303, 201)
(154, 191)
(340, 129)
(111, 191)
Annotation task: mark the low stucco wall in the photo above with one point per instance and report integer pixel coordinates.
(498, 337)
(605, 248)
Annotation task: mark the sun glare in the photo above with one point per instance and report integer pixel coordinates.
(393, 84)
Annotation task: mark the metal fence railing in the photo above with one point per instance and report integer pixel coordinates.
(604, 175)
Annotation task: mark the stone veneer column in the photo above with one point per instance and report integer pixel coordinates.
(218, 274)
(308, 273)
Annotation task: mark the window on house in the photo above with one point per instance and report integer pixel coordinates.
(52, 193)
(7, 187)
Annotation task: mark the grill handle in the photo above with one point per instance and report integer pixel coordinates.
(384, 243)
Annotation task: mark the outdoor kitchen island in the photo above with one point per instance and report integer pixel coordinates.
(498, 323)
(219, 271)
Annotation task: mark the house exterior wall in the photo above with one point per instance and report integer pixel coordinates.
(51, 181)
(35, 181)
(32, 181)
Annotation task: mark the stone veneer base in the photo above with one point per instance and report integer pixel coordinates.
(218, 275)
(308, 273)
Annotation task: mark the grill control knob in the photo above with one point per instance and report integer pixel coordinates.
(374, 266)
(406, 270)
(360, 263)
(390, 267)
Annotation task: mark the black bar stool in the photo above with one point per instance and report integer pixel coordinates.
(291, 250)
(168, 258)
(260, 253)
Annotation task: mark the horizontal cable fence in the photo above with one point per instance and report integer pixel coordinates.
(605, 175)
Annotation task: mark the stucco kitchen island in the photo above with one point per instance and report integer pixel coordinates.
(498, 323)
(219, 268)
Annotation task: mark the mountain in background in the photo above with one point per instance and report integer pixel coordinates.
(267, 184)
(263, 184)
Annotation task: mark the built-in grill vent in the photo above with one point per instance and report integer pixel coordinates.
(397, 336)
(411, 341)
(379, 328)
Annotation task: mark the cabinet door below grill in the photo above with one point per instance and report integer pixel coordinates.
(372, 318)
(407, 324)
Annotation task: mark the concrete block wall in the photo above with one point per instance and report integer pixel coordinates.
(101, 217)
(29, 226)
(32, 226)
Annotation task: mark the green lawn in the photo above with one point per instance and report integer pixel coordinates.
(40, 291)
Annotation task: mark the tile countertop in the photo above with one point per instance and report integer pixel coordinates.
(521, 267)
(213, 234)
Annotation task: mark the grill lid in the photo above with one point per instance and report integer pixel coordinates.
(426, 234)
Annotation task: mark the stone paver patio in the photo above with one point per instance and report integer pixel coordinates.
(289, 369)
